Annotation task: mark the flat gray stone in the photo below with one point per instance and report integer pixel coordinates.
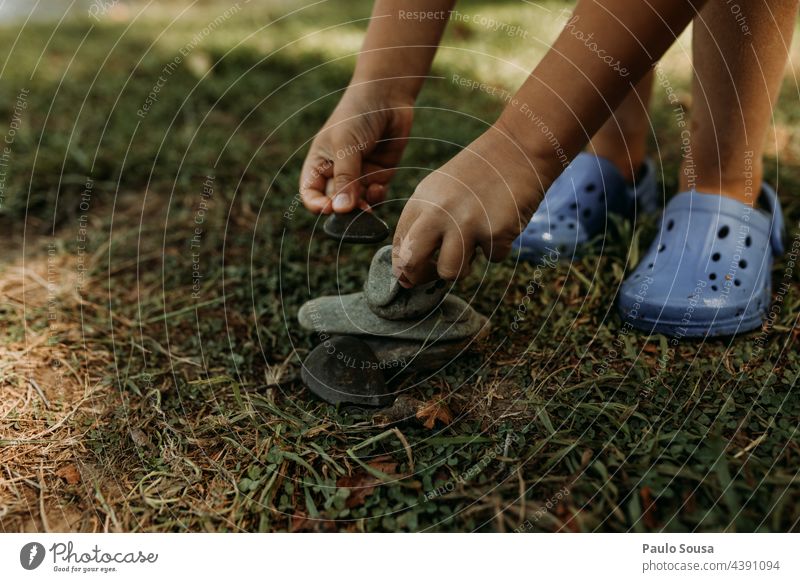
(358, 227)
(344, 369)
(349, 314)
(389, 300)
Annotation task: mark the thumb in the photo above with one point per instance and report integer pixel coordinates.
(346, 184)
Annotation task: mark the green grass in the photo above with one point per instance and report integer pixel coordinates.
(196, 419)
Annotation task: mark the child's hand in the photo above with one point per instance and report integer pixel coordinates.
(355, 153)
(483, 197)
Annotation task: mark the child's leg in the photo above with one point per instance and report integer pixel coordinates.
(623, 138)
(739, 61)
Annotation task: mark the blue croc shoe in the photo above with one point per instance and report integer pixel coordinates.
(708, 272)
(575, 207)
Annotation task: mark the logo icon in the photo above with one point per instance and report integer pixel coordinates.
(31, 555)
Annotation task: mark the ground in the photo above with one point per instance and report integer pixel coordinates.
(156, 258)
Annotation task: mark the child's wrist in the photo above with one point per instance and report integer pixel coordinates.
(388, 89)
(531, 136)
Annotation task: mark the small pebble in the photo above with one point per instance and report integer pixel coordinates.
(381, 287)
(387, 299)
(357, 227)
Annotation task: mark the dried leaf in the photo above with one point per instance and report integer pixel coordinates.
(648, 506)
(299, 521)
(139, 438)
(433, 410)
(362, 484)
(70, 474)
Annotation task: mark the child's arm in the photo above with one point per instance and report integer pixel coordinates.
(377, 107)
(486, 194)
(401, 40)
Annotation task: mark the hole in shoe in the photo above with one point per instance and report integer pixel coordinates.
(590, 187)
(737, 282)
(715, 257)
(670, 224)
(587, 212)
(748, 241)
(661, 248)
(714, 288)
(712, 276)
(743, 264)
(723, 232)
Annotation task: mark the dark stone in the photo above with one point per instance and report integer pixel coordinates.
(344, 369)
(358, 227)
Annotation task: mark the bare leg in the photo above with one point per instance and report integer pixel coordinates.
(623, 138)
(739, 60)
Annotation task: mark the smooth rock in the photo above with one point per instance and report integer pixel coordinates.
(344, 369)
(349, 314)
(381, 286)
(358, 227)
(388, 299)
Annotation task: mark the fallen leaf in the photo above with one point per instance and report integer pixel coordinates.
(568, 517)
(648, 507)
(70, 474)
(139, 438)
(299, 521)
(384, 464)
(362, 484)
(433, 410)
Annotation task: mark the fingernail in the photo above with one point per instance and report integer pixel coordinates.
(341, 202)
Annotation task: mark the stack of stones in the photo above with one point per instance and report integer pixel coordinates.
(384, 330)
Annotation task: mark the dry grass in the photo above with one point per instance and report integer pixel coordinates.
(50, 391)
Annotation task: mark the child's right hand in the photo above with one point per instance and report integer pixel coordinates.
(354, 155)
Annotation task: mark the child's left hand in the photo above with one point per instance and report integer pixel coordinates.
(483, 197)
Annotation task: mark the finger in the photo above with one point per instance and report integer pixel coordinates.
(496, 250)
(362, 202)
(455, 256)
(346, 181)
(376, 193)
(413, 253)
(373, 173)
(313, 178)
